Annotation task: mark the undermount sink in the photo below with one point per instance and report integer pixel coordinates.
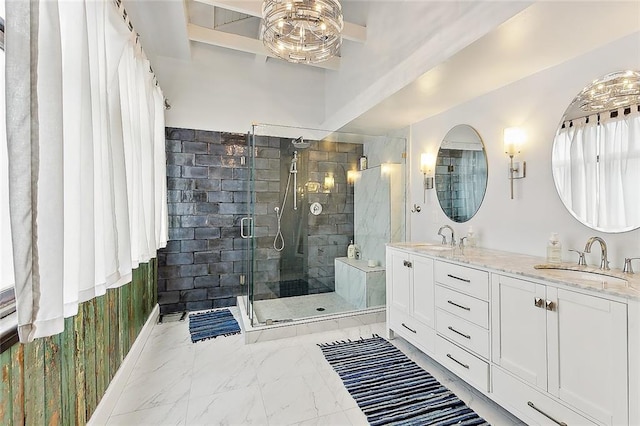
(584, 275)
(436, 247)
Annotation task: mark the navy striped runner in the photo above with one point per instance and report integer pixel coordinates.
(390, 389)
(211, 324)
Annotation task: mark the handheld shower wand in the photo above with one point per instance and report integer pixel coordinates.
(294, 171)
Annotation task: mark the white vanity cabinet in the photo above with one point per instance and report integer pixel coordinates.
(547, 351)
(410, 305)
(566, 343)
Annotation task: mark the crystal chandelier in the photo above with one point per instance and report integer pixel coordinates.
(307, 31)
(613, 91)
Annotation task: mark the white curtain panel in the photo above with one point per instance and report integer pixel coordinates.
(619, 186)
(6, 251)
(561, 162)
(584, 153)
(87, 186)
(596, 167)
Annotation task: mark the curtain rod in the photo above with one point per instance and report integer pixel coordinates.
(626, 110)
(127, 20)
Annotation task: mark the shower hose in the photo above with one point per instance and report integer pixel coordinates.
(278, 241)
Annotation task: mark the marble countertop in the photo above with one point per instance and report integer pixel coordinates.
(613, 282)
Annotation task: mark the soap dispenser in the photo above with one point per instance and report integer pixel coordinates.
(471, 237)
(554, 249)
(351, 250)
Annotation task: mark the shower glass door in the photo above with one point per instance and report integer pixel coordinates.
(302, 215)
(246, 226)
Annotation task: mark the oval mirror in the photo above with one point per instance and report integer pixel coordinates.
(596, 154)
(461, 173)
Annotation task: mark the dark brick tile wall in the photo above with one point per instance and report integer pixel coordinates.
(206, 181)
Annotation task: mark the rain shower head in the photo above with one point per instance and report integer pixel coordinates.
(300, 143)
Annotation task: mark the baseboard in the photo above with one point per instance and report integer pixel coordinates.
(116, 387)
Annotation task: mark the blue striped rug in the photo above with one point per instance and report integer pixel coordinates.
(211, 324)
(390, 389)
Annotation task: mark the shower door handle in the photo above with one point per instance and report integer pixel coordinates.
(249, 222)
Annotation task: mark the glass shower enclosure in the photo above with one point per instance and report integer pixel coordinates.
(312, 193)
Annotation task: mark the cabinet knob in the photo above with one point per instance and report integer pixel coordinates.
(550, 306)
(538, 302)
(407, 263)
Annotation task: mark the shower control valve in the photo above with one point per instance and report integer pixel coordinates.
(315, 208)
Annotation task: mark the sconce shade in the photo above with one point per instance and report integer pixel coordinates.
(513, 140)
(329, 182)
(427, 163)
(352, 175)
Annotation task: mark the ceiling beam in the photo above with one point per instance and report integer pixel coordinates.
(244, 44)
(351, 32)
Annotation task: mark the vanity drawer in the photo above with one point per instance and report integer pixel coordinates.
(467, 280)
(462, 363)
(529, 405)
(474, 310)
(412, 330)
(472, 337)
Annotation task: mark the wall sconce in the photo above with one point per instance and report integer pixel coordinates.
(513, 140)
(352, 175)
(329, 182)
(427, 166)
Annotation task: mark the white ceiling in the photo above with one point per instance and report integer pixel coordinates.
(526, 39)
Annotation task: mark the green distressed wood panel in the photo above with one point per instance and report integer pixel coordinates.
(6, 412)
(123, 320)
(139, 299)
(114, 341)
(134, 301)
(144, 291)
(17, 383)
(78, 359)
(52, 379)
(68, 373)
(34, 383)
(102, 342)
(90, 356)
(131, 320)
(144, 294)
(60, 379)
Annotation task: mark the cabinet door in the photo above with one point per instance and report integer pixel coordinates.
(519, 329)
(399, 279)
(587, 338)
(423, 290)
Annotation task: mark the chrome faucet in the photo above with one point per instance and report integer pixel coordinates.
(461, 244)
(627, 264)
(444, 238)
(604, 263)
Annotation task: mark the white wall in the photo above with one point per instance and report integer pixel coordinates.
(535, 104)
(232, 90)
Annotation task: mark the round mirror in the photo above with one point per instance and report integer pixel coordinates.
(461, 173)
(596, 154)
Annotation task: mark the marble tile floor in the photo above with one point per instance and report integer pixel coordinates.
(222, 381)
(298, 307)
